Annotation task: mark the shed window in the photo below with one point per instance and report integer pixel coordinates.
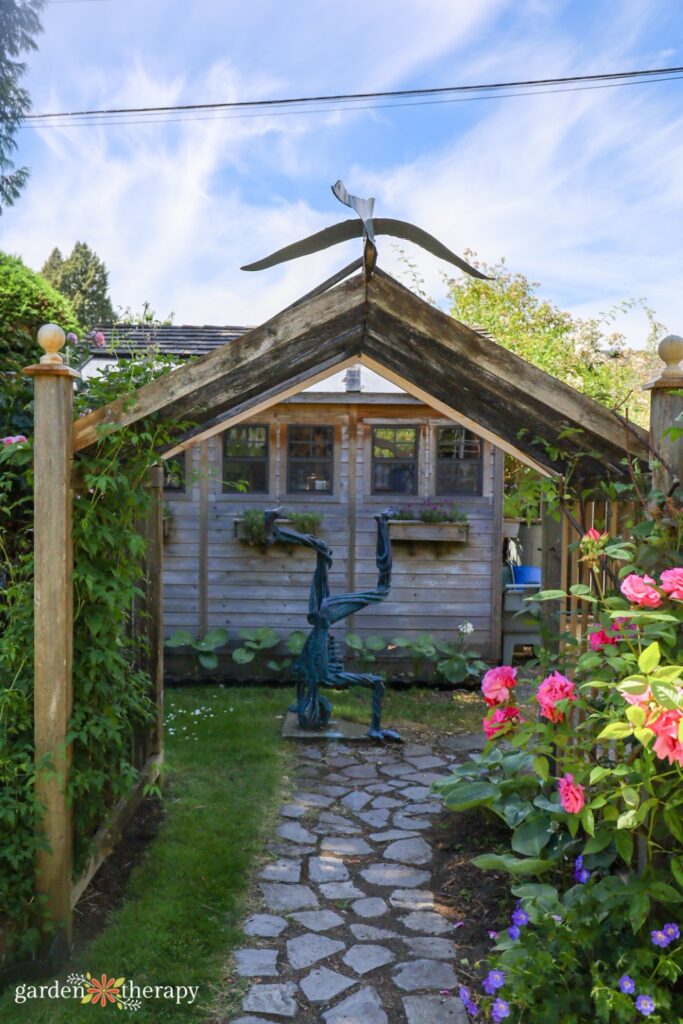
(245, 457)
(394, 460)
(310, 458)
(174, 473)
(458, 461)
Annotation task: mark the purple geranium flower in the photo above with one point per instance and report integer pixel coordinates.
(514, 932)
(627, 985)
(645, 1005)
(493, 980)
(581, 874)
(501, 1009)
(472, 1009)
(493, 935)
(660, 938)
(464, 993)
(672, 931)
(520, 917)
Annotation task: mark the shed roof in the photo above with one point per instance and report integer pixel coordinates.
(378, 322)
(183, 340)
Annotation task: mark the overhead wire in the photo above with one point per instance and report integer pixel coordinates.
(339, 102)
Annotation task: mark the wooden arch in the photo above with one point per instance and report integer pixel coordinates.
(457, 370)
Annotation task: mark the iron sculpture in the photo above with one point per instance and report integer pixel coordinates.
(366, 227)
(320, 663)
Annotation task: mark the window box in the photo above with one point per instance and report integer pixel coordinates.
(242, 531)
(416, 529)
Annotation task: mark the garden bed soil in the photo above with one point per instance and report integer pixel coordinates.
(107, 889)
(480, 899)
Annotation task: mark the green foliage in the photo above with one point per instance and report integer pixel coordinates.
(594, 782)
(27, 302)
(569, 959)
(366, 651)
(204, 647)
(254, 524)
(430, 512)
(19, 25)
(112, 705)
(83, 278)
(422, 651)
(461, 663)
(255, 641)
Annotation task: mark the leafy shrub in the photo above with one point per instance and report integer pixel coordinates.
(112, 704)
(204, 647)
(255, 641)
(430, 512)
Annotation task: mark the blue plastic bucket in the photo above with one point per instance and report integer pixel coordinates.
(526, 574)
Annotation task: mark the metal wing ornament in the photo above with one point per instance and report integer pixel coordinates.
(366, 227)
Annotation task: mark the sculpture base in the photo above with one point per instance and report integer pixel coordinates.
(336, 729)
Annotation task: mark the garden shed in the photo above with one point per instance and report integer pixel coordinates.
(448, 368)
(339, 450)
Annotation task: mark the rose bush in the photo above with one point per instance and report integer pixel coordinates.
(594, 802)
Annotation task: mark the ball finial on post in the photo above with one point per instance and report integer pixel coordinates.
(671, 352)
(51, 339)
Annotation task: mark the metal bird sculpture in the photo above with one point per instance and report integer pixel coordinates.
(366, 227)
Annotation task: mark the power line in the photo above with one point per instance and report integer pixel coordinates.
(218, 115)
(277, 105)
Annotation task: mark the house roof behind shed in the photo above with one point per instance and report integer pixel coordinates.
(182, 340)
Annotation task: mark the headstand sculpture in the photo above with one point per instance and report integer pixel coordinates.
(319, 663)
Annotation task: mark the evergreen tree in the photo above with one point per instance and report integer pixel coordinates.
(19, 23)
(84, 279)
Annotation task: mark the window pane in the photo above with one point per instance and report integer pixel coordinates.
(394, 478)
(246, 457)
(246, 441)
(394, 442)
(310, 476)
(254, 474)
(458, 461)
(174, 473)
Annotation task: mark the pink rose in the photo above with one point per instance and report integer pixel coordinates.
(500, 721)
(13, 440)
(592, 534)
(672, 583)
(100, 339)
(497, 684)
(667, 746)
(599, 639)
(554, 688)
(640, 590)
(572, 794)
(638, 699)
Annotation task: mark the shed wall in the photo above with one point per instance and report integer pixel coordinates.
(213, 579)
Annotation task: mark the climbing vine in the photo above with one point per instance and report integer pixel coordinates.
(111, 692)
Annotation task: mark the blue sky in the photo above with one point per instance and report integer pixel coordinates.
(581, 191)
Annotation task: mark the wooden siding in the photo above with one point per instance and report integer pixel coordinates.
(435, 587)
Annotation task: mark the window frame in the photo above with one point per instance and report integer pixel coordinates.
(265, 459)
(438, 491)
(299, 460)
(415, 427)
(183, 488)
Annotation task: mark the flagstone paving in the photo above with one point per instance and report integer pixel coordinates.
(349, 930)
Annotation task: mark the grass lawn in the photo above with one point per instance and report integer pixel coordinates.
(226, 773)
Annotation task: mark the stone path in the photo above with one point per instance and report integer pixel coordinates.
(350, 931)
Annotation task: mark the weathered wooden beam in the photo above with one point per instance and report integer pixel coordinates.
(388, 296)
(261, 360)
(53, 628)
(254, 405)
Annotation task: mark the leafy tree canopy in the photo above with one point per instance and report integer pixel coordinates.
(27, 302)
(83, 278)
(19, 24)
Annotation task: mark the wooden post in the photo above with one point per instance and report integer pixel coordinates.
(53, 630)
(665, 407)
(155, 600)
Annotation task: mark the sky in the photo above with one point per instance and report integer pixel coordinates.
(580, 191)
